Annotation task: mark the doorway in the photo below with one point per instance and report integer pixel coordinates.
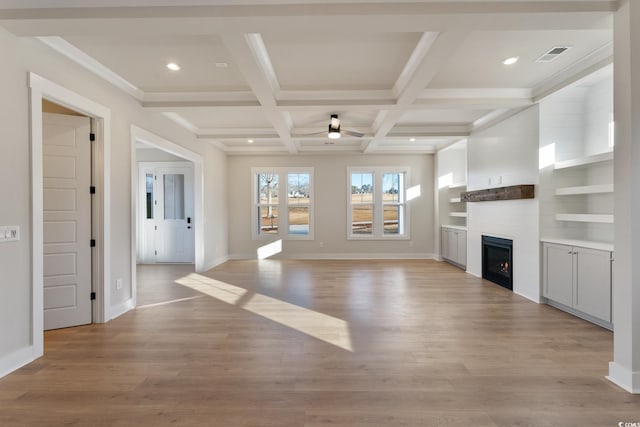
(43, 89)
(171, 155)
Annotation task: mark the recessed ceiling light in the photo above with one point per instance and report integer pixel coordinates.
(250, 141)
(222, 64)
(412, 139)
(173, 66)
(511, 61)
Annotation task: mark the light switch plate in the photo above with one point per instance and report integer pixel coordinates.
(9, 233)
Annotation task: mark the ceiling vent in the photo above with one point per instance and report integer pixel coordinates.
(553, 53)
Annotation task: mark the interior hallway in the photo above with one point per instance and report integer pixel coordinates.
(310, 343)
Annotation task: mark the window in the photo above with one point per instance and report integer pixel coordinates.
(377, 203)
(268, 203)
(362, 203)
(294, 201)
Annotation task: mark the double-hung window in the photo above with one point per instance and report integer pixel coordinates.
(283, 202)
(377, 207)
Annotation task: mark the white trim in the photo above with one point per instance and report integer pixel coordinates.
(624, 378)
(41, 88)
(141, 135)
(17, 360)
(123, 307)
(65, 48)
(345, 256)
(216, 262)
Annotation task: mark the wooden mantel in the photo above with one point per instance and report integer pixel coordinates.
(514, 192)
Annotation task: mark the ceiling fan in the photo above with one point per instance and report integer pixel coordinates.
(334, 131)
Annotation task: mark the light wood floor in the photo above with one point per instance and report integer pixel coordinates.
(316, 343)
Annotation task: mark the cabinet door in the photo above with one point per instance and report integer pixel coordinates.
(558, 273)
(443, 243)
(452, 245)
(593, 283)
(462, 248)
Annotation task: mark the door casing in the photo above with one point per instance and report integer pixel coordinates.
(141, 135)
(39, 89)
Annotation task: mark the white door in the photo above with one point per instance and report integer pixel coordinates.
(168, 216)
(66, 168)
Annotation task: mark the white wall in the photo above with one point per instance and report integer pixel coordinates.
(155, 155)
(508, 150)
(21, 56)
(598, 109)
(330, 173)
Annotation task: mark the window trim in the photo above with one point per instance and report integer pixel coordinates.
(378, 203)
(283, 203)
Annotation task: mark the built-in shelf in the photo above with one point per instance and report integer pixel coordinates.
(456, 227)
(599, 218)
(458, 185)
(583, 161)
(585, 189)
(454, 200)
(589, 244)
(458, 214)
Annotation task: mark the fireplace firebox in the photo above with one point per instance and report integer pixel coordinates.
(497, 261)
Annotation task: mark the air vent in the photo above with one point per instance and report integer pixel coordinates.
(553, 53)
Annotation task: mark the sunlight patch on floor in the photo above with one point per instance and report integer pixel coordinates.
(270, 249)
(326, 328)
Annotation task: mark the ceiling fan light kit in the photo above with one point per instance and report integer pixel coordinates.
(334, 127)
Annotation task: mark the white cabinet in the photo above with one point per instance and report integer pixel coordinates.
(454, 246)
(579, 279)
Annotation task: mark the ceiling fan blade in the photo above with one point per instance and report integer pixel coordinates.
(352, 133)
(324, 132)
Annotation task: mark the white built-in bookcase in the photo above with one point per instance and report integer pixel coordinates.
(576, 164)
(452, 180)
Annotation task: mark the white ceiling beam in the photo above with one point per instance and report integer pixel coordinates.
(411, 86)
(344, 18)
(444, 129)
(243, 49)
(73, 53)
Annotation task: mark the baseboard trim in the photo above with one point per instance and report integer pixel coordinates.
(343, 256)
(624, 378)
(216, 262)
(16, 360)
(122, 308)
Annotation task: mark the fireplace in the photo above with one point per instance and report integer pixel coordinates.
(497, 261)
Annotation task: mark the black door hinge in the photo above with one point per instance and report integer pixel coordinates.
(92, 137)
(93, 243)
(93, 296)
(92, 190)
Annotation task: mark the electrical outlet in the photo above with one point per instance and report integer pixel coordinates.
(118, 284)
(322, 244)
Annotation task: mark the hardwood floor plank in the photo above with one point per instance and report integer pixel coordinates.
(314, 343)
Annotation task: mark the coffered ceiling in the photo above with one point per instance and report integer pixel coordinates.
(265, 76)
